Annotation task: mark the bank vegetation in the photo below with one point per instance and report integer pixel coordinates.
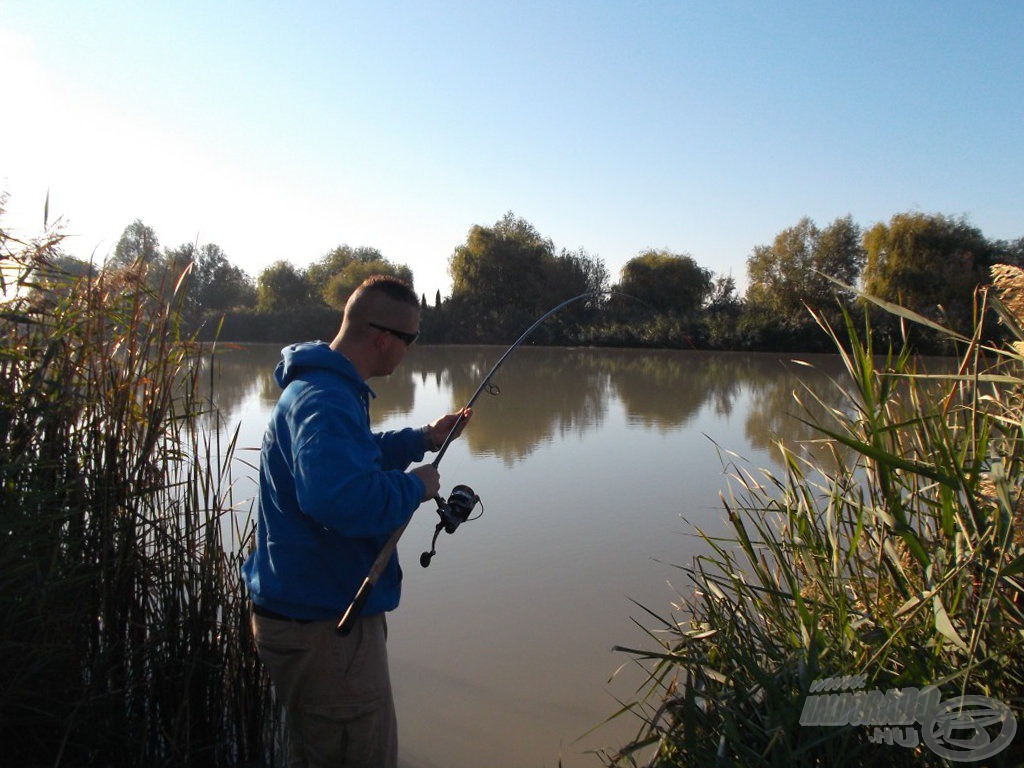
(124, 635)
(506, 274)
(896, 566)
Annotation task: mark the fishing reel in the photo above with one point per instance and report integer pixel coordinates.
(453, 513)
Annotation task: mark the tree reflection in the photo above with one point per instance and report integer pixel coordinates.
(543, 392)
(787, 393)
(551, 393)
(667, 389)
(234, 373)
(240, 371)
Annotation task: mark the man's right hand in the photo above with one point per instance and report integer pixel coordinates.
(431, 480)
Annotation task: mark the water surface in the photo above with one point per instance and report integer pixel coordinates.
(594, 467)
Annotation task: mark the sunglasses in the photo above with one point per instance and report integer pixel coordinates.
(408, 338)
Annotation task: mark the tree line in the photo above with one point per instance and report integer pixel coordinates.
(507, 274)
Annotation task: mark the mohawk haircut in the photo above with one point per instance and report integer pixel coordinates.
(392, 287)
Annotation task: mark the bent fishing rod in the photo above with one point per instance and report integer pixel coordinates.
(460, 504)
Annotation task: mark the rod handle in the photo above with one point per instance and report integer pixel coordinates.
(352, 614)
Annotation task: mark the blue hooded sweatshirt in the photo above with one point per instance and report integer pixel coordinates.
(331, 491)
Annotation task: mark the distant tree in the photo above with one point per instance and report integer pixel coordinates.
(722, 313)
(839, 255)
(176, 272)
(55, 276)
(794, 270)
(281, 286)
(213, 283)
(506, 274)
(507, 264)
(178, 260)
(334, 262)
(723, 294)
(72, 266)
(578, 272)
(671, 283)
(929, 263)
(500, 278)
(138, 245)
(1009, 251)
(341, 285)
(220, 285)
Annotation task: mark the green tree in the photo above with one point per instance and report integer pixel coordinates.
(501, 277)
(213, 283)
(57, 276)
(506, 275)
(178, 260)
(722, 313)
(221, 285)
(177, 271)
(672, 283)
(280, 287)
(723, 294)
(929, 263)
(341, 285)
(507, 264)
(334, 262)
(578, 272)
(138, 245)
(1009, 251)
(794, 270)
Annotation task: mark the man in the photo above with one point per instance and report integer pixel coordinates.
(331, 493)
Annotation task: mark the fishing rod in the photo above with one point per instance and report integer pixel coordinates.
(460, 503)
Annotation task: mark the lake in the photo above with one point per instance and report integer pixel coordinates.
(594, 468)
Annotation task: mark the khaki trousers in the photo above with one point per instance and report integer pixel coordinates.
(336, 691)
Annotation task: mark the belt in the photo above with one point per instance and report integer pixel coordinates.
(266, 613)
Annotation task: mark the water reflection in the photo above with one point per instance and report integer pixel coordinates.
(665, 390)
(591, 463)
(541, 393)
(239, 372)
(551, 393)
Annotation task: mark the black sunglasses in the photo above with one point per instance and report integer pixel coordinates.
(408, 338)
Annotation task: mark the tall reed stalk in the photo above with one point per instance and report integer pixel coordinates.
(124, 636)
(900, 561)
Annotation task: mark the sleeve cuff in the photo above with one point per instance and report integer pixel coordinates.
(428, 443)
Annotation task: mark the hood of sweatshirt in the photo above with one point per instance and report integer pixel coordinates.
(315, 355)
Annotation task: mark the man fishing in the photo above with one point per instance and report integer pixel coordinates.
(331, 493)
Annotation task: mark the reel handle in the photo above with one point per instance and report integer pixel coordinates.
(426, 557)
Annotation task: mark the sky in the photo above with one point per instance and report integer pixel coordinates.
(281, 130)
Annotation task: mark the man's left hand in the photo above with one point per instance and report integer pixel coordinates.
(438, 430)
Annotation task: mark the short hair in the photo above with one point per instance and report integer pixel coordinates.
(392, 287)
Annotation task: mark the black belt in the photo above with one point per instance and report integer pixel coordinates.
(266, 613)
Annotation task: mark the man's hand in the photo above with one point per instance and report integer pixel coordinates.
(431, 480)
(438, 430)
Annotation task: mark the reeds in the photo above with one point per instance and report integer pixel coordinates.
(124, 636)
(898, 565)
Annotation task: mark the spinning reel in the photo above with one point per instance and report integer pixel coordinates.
(453, 513)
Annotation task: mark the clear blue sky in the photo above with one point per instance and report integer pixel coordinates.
(279, 130)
